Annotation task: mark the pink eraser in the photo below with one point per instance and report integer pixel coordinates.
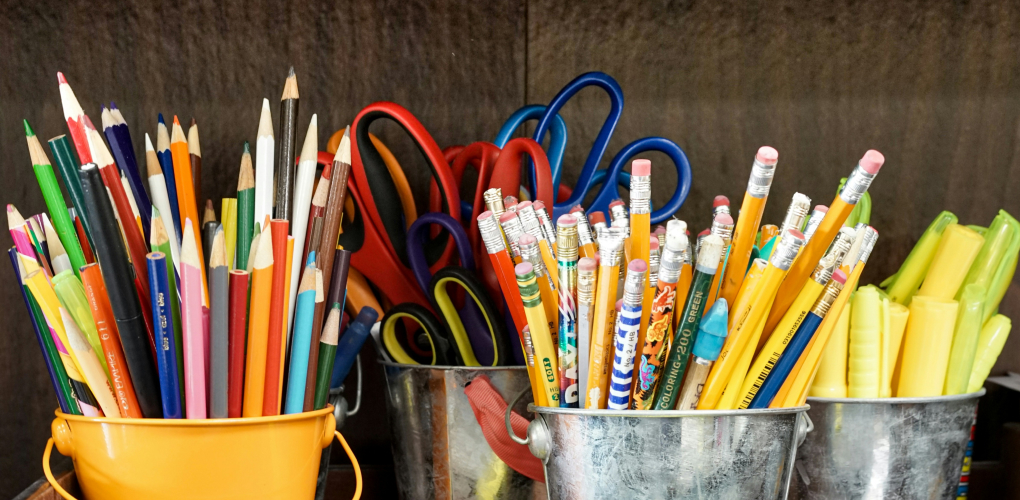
(873, 229)
(596, 217)
(566, 220)
(575, 209)
(724, 219)
(705, 233)
(821, 208)
(653, 243)
(527, 239)
(619, 305)
(523, 204)
(523, 268)
(659, 229)
(507, 216)
(839, 277)
(615, 203)
(720, 201)
(641, 167)
(538, 205)
(60, 78)
(586, 264)
(637, 266)
(767, 155)
(872, 161)
(796, 234)
(597, 259)
(485, 215)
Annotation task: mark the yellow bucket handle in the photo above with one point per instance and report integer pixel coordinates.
(68, 496)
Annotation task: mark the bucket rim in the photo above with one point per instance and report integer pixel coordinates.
(451, 368)
(195, 423)
(550, 410)
(892, 401)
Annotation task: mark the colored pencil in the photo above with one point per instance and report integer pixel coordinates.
(264, 159)
(195, 154)
(326, 251)
(38, 243)
(337, 294)
(166, 354)
(72, 299)
(193, 330)
(310, 293)
(209, 226)
(55, 368)
(245, 209)
(285, 348)
(54, 200)
(91, 369)
(131, 203)
(263, 269)
(187, 204)
(119, 137)
(22, 241)
(58, 257)
(317, 212)
(302, 199)
(161, 243)
(277, 330)
(228, 216)
(161, 201)
(68, 165)
(218, 334)
(288, 143)
(49, 307)
(135, 336)
(83, 238)
(166, 162)
(75, 118)
(328, 352)
(238, 321)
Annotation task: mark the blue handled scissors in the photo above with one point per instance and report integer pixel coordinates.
(590, 176)
(472, 336)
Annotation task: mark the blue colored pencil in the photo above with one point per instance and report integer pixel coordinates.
(303, 314)
(166, 162)
(166, 344)
(53, 364)
(117, 134)
(776, 377)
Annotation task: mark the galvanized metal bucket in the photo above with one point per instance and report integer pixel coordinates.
(890, 448)
(438, 447)
(594, 454)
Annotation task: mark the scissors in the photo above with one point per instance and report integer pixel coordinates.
(470, 336)
(614, 176)
(376, 232)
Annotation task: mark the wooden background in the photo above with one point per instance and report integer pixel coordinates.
(933, 85)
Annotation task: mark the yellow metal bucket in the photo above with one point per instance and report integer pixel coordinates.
(243, 458)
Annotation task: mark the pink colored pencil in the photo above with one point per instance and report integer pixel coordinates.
(193, 321)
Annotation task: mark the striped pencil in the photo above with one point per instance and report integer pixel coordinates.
(627, 336)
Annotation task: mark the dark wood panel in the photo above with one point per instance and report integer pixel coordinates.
(459, 66)
(933, 85)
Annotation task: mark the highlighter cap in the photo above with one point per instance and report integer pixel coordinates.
(712, 331)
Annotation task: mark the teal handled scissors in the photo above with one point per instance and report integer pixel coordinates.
(471, 336)
(590, 176)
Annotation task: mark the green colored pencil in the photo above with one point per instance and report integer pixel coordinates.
(245, 209)
(54, 201)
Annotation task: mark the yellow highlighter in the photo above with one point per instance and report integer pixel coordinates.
(993, 337)
(902, 286)
(965, 339)
(926, 346)
(956, 252)
(863, 365)
(898, 315)
(744, 321)
(545, 353)
(830, 381)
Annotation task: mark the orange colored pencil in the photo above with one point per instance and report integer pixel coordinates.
(186, 202)
(258, 325)
(277, 312)
(286, 314)
(109, 338)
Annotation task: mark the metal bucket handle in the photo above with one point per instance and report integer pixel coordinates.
(538, 441)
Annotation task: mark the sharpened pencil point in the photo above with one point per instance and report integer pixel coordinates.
(291, 72)
(60, 78)
(247, 148)
(160, 120)
(113, 105)
(28, 129)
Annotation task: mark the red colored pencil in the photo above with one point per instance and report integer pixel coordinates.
(238, 322)
(277, 315)
(85, 248)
